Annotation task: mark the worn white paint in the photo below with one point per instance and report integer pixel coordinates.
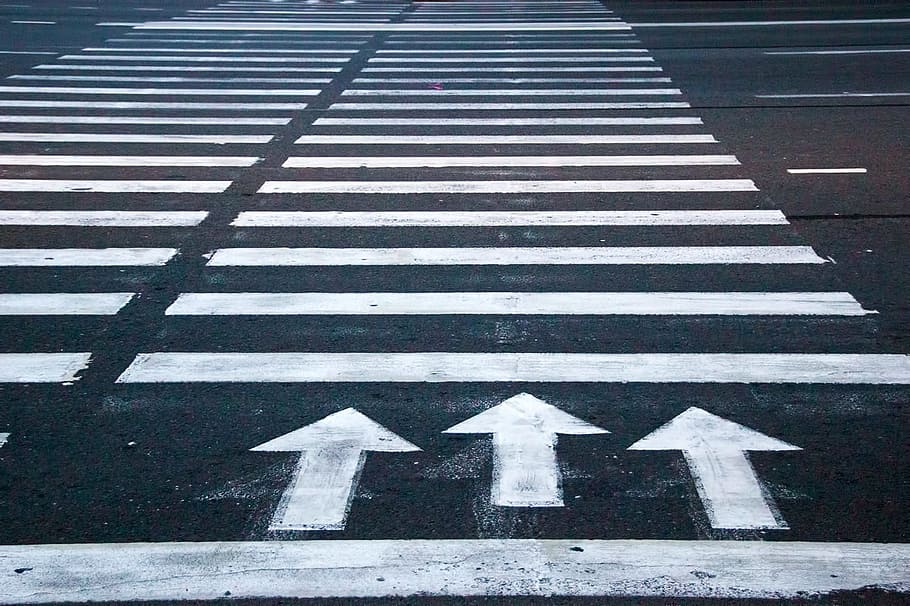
(874, 51)
(84, 257)
(169, 79)
(507, 106)
(41, 367)
(505, 187)
(3, 439)
(510, 51)
(52, 160)
(133, 572)
(334, 218)
(826, 171)
(715, 448)
(300, 26)
(503, 139)
(333, 451)
(243, 58)
(233, 51)
(134, 138)
(232, 121)
(769, 23)
(153, 105)
(196, 92)
(592, 121)
(447, 69)
(67, 304)
(509, 92)
(104, 218)
(488, 60)
(442, 367)
(490, 161)
(186, 68)
(525, 469)
(525, 255)
(832, 95)
(518, 303)
(106, 186)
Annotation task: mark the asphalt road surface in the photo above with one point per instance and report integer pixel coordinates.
(454, 302)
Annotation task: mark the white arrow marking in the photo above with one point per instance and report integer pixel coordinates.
(333, 451)
(524, 428)
(715, 450)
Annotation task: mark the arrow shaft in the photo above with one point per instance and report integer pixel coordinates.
(730, 490)
(525, 470)
(319, 496)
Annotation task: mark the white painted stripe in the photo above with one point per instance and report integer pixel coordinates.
(875, 51)
(522, 51)
(441, 81)
(222, 121)
(501, 187)
(833, 95)
(486, 60)
(238, 53)
(35, 22)
(674, 121)
(517, 303)
(218, 92)
(484, 161)
(509, 92)
(567, 255)
(41, 160)
(41, 368)
(84, 257)
(166, 79)
(184, 68)
(190, 59)
(121, 138)
(154, 105)
(68, 304)
(112, 186)
(104, 218)
(489, 218)
(825, 171)
(508, 106)
(424, 567)
(502, 139)
(298, 26)
(513, 70)
(26, 53)
(443, 367)
(769, 23)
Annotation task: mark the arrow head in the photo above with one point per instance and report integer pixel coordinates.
(524, 412)
(347, 428)
(697, 429)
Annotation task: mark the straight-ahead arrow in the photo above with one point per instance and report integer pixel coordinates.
(715, 450)
(333, 451)
(525, 470)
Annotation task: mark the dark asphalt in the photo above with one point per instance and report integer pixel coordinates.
(102, 462)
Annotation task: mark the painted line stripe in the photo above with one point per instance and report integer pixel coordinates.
(39, 160)
(189, 59)
(104, 218)
(486, 60)
(185, 68)
(425, 567)
(509, 92)
(35, 22)
(170, 79)
(84, 257)
(502, 139)
(440, 81)
(502, 187)
(239, 53)
(26, 53)
(378, 27)
(483, 161)
(110, 186)
(444, 367)
(517, 303)
(833, 95)
(217, 92)
(771, 23)
(674, 121)
(875, 51)
(68, 304)
(41, 368)
(490, 218)
(175, 120)
(513, 70)
(825, 171)
(591, 255)
(506, 106)
(522, 51)
(120, 138)
(155, 105)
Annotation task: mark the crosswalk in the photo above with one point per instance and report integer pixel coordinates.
(333, 197)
